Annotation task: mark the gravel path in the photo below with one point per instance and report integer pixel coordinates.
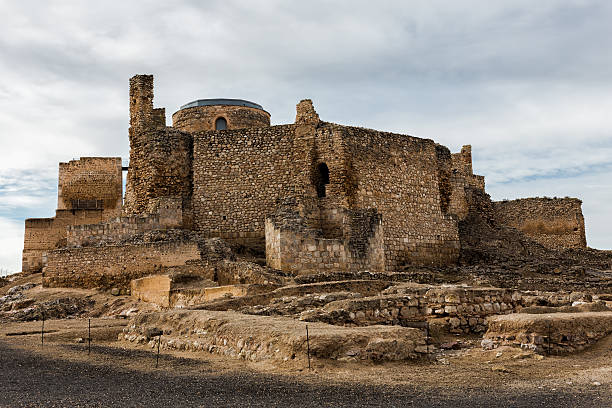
(29, 380)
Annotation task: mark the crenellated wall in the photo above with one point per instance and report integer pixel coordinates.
(556, 223)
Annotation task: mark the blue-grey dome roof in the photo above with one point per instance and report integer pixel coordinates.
(222, 101)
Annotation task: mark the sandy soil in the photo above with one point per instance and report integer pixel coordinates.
(63, 373)
(505, 371)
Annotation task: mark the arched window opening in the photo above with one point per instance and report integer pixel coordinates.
(220, 124)
(322, 179)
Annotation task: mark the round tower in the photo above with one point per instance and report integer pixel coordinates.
(219, 114)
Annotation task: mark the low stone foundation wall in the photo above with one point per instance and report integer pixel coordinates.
(555, 333)
(464, 310)
(115, 266)
(278, 339)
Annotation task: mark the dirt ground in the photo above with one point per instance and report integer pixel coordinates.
(61, 372)
(505, 374)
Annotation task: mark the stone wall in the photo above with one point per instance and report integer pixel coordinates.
(404, 179)
(238, 178)
(153, 289)
(202, 118)
(45, 234)
(462, 179)
(89, 191)
(460, 310)
(556, 223)
(90, 183)
(115, 266)
(160, 157)
(122, 228)
(259, 338)
(555, 333)
(294, 247)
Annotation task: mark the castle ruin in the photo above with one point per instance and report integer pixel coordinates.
(309, 197)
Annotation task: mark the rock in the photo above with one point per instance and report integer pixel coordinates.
(129, 312)
(499, 354)
(115, 291)
(487, 344)
(521, 356)
(153, 332)
(452, 345)
(500, 369)
(596, 383)
(79, 340)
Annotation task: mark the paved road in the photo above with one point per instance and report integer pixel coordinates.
(27, 380)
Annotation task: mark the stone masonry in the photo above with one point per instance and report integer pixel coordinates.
(315, 196)
(556, 223)
(89, 191)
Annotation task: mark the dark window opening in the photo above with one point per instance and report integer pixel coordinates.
(322, 179)
(87, 204)
(220, 124)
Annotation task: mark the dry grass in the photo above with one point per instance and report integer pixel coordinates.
(549, 228)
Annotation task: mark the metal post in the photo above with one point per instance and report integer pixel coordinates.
(548, 337)
(158, 343)
(427, 335)
(89, 337)
(42, 331)
(308, 346)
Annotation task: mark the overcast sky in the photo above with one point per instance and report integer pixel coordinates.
(527, 83)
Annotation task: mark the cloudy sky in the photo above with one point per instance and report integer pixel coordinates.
(527, 83)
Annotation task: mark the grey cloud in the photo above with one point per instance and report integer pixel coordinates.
(526, 83)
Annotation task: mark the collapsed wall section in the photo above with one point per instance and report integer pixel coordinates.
(122, 228)
(556, 223)
(462, 180)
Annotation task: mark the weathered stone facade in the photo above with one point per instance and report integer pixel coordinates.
(204, 117)
(316, 196)
(89, 191)
(556, 223)
(115, 265)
